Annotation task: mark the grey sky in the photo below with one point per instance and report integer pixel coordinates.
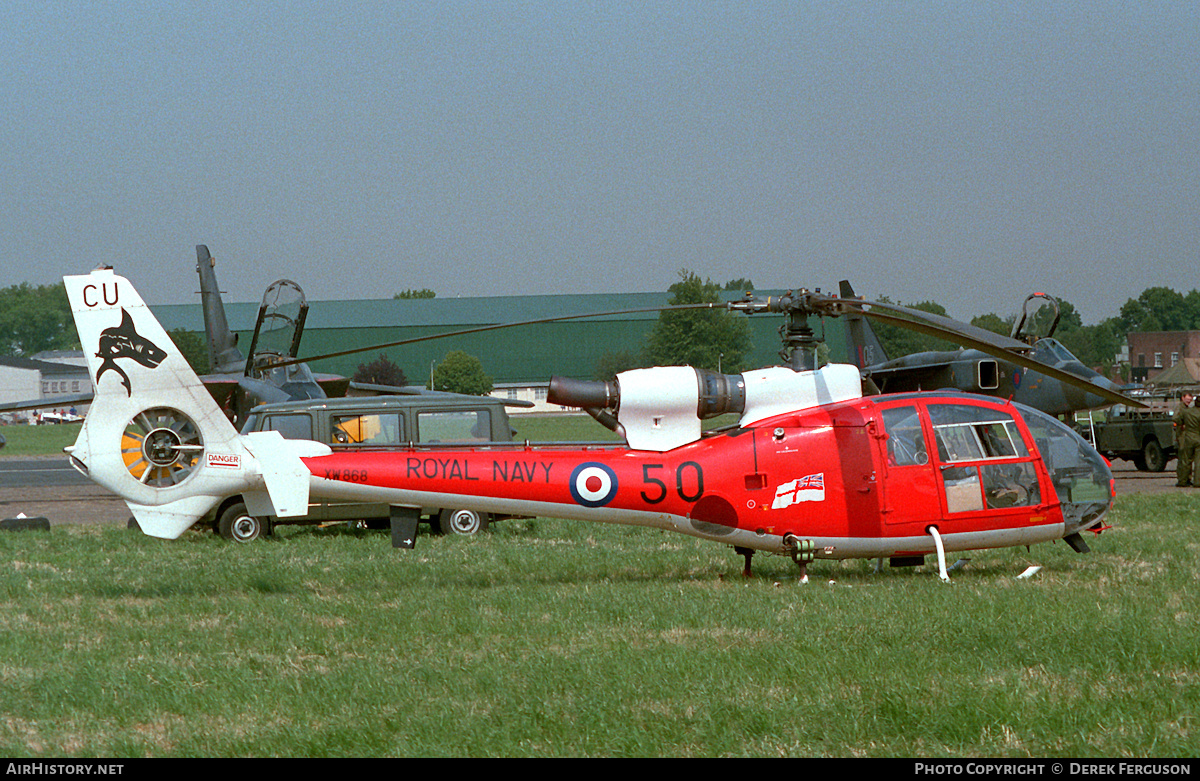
(969, 153)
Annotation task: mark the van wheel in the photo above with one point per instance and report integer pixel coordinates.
(461, 522)
(1152, 454)
(237, 525)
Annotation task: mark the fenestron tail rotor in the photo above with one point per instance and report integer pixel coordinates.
(161, 447)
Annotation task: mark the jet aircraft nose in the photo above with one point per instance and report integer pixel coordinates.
(1071, 397)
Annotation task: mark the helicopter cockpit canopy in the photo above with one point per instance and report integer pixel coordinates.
(1081, 476)
(985, 462)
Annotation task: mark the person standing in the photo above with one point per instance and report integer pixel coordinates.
(1187, 439)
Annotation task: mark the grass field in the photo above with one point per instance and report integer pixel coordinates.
(556, 638)
(37, 440)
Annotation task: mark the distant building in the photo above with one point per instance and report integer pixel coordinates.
(533, 392)
(1154, 352)
(53, 382)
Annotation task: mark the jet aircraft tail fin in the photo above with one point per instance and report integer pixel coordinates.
(865, 349)
(154, 435)
(223, 353)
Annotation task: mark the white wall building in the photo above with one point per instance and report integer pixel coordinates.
(19, 382)
(532, 392)
(54, 383)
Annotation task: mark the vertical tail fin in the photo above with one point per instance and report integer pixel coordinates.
(865, 349)
(223, 353)
(154, 434)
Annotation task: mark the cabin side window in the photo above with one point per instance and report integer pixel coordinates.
(974, 433)
(289, 426)
(971, 443)
(1010, 485)
(906, 441)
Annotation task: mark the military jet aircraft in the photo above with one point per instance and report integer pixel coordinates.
(238, 382)
(272, 372)
(975, 371)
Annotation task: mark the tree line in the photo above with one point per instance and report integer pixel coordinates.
(458, 372)
(34, 319)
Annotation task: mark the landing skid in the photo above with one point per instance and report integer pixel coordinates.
(801, 552)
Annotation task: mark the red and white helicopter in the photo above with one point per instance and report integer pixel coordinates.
(813, 469)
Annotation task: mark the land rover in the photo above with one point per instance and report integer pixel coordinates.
(365, 423)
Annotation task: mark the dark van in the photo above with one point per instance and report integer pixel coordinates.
(372, 422)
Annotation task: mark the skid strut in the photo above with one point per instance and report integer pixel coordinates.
(747, 554)
(802, 552)
(941, 552)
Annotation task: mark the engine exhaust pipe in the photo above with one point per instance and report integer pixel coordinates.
(587, 394)
(715, 394)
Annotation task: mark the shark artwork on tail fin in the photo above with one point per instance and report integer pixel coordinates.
(123, 341)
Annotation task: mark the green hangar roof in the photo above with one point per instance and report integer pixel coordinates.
(520, 354)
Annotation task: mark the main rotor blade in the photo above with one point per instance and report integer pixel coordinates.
(940, 326)
(1002, 347)
(497, 326)
(818, 303)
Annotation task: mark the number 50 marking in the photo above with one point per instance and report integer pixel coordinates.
(649, 479)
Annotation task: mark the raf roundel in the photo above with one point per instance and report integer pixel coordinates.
(593, 485)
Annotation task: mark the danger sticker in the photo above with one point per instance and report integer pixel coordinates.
(224, 460)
